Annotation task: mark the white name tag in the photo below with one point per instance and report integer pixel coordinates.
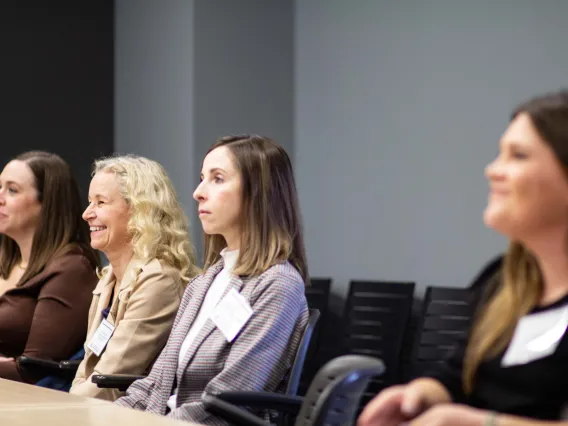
(101, 337)
(231, 314)
(536, 336)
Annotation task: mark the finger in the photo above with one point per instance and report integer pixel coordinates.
(412, 401)
(383, 410)
(425, 419)
(435, 416)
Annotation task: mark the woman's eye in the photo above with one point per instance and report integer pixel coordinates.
(519, 155)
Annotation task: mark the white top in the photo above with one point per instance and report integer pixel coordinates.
(213, 296)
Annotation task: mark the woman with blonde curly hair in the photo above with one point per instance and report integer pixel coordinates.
(136, 220)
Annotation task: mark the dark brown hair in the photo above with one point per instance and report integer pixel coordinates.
(60, 227)
(271, 228)
(521, 282)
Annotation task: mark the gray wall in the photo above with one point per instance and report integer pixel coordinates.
(190, 71)
(153, 87)
(243, 71)
(399, 107)
(396, 109)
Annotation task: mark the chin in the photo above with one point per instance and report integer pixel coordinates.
(500, 224)
(210, 230)
(95, 245)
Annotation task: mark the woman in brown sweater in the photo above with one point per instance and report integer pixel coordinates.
(47, 267)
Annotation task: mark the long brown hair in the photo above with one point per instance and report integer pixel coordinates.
(60, 227)
(271, 228)
(521, 282)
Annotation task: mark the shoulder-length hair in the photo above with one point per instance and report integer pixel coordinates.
(270, 223)
(158, 226)
(60, 227)
(521, 281)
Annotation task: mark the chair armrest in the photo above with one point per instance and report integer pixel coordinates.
(70, 365)
(231, 413)
(263, 400)
(50, 367)
(119, 381)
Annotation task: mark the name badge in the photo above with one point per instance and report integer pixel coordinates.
(536, 336)
(101, 337)
(231, 314)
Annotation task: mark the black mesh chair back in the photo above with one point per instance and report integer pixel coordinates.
(334, 396)
(446, 318)
(376, 319)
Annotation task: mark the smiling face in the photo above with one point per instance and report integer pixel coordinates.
(529, 189)
(107, 215)
(219, 195)
(19, 205)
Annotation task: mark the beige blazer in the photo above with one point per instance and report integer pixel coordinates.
(142, 312)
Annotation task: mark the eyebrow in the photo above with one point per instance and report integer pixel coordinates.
(515, 145)
(214, 170)
(11, 182)
(89, 197)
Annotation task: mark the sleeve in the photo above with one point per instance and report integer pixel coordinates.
(138, 394)
(262, 353)
(59, 321)
(449, 373)
(138, 336)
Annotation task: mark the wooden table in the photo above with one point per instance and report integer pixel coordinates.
(22, 404)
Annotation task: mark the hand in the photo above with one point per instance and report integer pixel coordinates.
(451, 415)
(393, 406)
(4, 359)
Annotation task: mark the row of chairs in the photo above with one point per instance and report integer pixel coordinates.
(383, 320)
(374, 323)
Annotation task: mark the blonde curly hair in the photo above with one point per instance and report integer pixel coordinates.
(157, 224)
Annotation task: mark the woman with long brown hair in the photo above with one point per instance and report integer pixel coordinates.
(240, 322)
(513, 368)
(47, 268)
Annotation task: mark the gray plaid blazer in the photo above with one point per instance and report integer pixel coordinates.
(258, 359)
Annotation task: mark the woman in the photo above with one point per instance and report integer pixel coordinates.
(513, 368)
(47, 269)
(137, 222)
(239, 324)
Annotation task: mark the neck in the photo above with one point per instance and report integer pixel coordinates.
(24, 243)
(233, 240)
(552, 256)
(119, 261)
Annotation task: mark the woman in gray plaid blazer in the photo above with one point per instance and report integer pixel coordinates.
(240, 322)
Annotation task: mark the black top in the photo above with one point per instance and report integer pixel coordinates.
(538, 389)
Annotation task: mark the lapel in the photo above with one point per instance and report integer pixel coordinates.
(103, 290)
(209, 326)
(128, 280)
(131, 273)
